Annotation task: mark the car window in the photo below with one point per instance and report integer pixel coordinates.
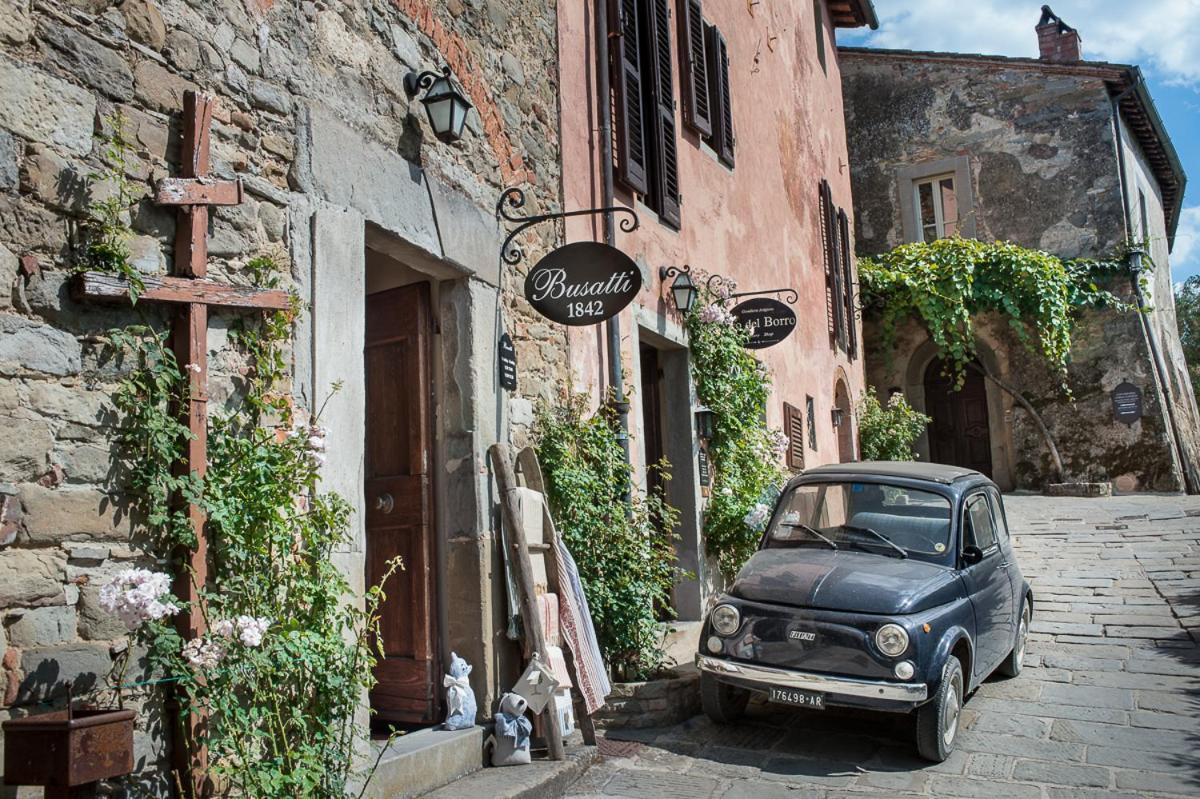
(998, 515)
(980, 531)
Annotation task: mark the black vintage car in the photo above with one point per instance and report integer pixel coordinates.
(882, 585)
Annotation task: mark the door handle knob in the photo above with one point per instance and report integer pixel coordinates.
(384, 503)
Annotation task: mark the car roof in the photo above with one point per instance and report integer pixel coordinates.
(911, 470)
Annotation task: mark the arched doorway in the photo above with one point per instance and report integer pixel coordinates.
(844, 419)
(959, 434)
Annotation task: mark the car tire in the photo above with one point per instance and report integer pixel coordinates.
(723, 703)
(938, 719)
(1015, 661)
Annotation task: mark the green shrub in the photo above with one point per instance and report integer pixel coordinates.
(888, 432)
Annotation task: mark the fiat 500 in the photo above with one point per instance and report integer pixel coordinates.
(880, 585)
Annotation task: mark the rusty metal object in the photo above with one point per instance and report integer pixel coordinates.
(68, 748)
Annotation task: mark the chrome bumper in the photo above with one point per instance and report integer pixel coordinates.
(768, 676)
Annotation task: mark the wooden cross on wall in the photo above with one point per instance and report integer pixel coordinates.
(192, 293)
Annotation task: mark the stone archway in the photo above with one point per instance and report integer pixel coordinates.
(844, 416)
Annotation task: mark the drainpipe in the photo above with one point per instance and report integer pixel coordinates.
(1186, 468)
(616, 381)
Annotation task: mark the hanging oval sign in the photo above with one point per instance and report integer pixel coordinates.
(582, 283)
(769, 320)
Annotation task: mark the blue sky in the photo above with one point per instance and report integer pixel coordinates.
(1162, 36)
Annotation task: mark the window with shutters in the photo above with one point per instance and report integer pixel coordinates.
(819, 20)
(847, 267)
(793, 426)
(720, 102)
(835, 274)
(811, 412)
(644, 105)
(693, 69)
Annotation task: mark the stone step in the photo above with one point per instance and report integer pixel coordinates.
(541, 779)
(423, 761)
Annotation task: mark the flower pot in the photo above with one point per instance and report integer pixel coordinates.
(68, 747)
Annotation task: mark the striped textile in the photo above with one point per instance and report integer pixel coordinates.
(576, 624)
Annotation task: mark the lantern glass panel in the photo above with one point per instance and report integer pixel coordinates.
(684, 292)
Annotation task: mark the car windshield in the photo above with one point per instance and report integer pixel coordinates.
(889, 519)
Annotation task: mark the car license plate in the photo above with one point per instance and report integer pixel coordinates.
(790, 696)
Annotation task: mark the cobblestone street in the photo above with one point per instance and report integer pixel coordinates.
(1108, 705)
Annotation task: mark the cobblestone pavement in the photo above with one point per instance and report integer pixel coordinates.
(1108, 705)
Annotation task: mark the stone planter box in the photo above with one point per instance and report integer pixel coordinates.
(654, 703)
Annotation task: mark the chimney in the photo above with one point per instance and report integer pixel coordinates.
(1057, 41)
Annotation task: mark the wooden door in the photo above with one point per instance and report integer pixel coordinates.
(652, 437)
(959, 434)
(399, 500)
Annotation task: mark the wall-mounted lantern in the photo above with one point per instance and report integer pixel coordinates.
(704, 423)
(683, 290)
(444, 102)
(838, 416)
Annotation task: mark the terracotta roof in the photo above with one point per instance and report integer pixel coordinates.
(1125, 83)
(853, 13)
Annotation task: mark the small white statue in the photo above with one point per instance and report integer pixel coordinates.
(460, 699)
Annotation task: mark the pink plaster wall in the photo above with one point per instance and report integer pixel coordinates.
(757, 223)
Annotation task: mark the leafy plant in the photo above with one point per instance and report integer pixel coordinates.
(745, 453)
(107, 231)
(948, 282)
(624, 552)
(888, 432)
(1187, 312)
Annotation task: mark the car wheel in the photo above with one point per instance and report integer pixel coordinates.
(938, 719)
(723, 703)
(1015, 661)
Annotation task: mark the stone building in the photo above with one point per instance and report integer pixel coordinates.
(1055, 153)
(737, 183)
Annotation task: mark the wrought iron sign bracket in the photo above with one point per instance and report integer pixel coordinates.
(514, 198)
(791, 296)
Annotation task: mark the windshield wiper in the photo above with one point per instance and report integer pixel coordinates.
(899, 549)
(812, 531)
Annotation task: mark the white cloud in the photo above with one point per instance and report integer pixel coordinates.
(1161, 35)
(1185, 257)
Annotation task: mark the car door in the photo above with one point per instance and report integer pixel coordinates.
(988, 585)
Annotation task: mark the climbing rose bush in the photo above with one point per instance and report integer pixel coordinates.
(136, 596)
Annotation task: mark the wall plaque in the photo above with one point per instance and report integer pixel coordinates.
(506, 355)
(705, 467)
(582, 283)
(769, 320)
(1127, 403)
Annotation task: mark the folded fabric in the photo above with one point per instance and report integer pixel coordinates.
(557, 663)
(577, 630)
(548, 610)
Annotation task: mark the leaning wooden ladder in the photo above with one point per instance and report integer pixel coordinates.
(520, 554)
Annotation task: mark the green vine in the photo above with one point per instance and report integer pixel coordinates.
(625, 558)
(745, 453)
(948, 282)
(107, 231)
(888, 432)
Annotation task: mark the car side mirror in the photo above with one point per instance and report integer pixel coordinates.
(971, 555)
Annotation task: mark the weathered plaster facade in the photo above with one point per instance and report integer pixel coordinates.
(344, 179)
(1035, 152)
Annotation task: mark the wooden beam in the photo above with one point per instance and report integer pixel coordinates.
(199, 191)
(103, 287)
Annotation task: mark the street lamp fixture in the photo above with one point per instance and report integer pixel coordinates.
(838, 415)
(444, 102)
(704, 423)
(683, 290)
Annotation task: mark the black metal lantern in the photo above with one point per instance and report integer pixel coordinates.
(683, 290)
(444, 102)
(704, 423)
(837, 414)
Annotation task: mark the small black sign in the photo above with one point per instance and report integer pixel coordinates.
(506, 355)
(582, 283)
(705, 468)
(769, 320)
(1127, 403)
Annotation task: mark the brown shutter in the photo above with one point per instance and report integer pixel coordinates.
(847, 266)
(666, 183)
(833, 271)
(630, 125)
(694, 67)
(720, 101)
(793, 425)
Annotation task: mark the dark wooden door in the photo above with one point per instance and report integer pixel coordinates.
(959, 434)
(399, 500)
(652, 421)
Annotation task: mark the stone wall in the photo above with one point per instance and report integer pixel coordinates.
(654, 703)
(65, 67)
(1042, 163)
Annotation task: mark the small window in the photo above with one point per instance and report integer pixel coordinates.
(811, 411)
(981, 531)
(998, 514)
(819, 20)
(937, 207)
(1144, 233)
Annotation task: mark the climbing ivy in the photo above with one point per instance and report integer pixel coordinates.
(888, 432)
(948, 282)
(106, 232)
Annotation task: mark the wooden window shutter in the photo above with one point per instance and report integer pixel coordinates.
(666, 179)
(694, 67)
(793, 423)
(631, 128)
(719, 99)
(833, 272)
(847, 266)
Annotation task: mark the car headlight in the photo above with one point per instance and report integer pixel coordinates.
(892, 639)
(725, 619)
